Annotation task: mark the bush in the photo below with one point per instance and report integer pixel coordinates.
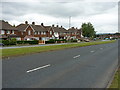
(73, 40)
(9, 42)
(28, 42)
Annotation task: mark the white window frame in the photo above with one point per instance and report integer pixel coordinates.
(38, 33)
(8, 31)
(42, 33)
(35, 33)
(2, 31)
(50, 32)
(29, 32)
(13, 32)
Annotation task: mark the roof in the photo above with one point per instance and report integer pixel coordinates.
(59, 29)
(6, 26)
(72, 29)
(22, 27)
(38, 28)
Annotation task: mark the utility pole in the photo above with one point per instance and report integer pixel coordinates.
(69, 21)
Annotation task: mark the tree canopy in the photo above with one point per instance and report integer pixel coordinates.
(88, 30)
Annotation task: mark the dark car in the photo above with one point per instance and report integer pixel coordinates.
(1, 44)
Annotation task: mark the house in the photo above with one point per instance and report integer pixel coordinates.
(75, 33)
(26, 31)
(33, 32)
(8, 31)
(59, 32)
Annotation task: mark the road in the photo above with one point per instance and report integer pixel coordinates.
(84, 67)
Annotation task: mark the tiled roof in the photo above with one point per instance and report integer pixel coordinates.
(59, 29)
(72, 29)
(22, 27)
(38, 28)
(6, 26)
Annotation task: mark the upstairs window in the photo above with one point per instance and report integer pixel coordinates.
(35, 33)
(13, 32)
(8, 32)
(2, 32)
(38, 33)
(44, 33)
(50, 32)
(29, 32)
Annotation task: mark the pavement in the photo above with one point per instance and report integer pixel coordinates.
(10, 47)
(83, 67)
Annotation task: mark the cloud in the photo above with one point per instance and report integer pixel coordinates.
(100, 14)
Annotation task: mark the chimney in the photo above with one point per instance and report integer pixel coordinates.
(53, 25)
(72, 27)
(57, 26)
(33, 23)
(26, 22)
(42, 24)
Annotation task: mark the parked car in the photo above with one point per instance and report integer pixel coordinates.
(86, 40)
(1, 44)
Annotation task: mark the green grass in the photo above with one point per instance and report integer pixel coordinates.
(30, 50)
(116, 80)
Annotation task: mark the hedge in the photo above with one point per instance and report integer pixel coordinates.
(54, 40)
(13, 42)
(9, 42)
(28, 42)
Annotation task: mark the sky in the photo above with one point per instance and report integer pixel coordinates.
(103, 14)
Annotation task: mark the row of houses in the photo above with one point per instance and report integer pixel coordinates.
(26, 31)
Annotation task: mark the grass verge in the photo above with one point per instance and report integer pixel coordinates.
(30, 50)
(116, 81)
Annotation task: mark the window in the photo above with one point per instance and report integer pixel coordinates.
(13, 32)
(44, 33)
(35, 33)
(29, 32)
(8, 32)
(50, 32)
(22, 33)
(38, 33)
(2, 32)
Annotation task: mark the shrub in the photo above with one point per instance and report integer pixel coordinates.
(28, 42)
(9, 42)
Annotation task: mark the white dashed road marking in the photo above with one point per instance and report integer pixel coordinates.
(38, 68)
(76, 56)
(92, 51)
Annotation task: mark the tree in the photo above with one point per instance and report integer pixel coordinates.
(88, 30)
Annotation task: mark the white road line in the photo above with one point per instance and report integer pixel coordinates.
(38, 68)
(76, 56)
(92, 51)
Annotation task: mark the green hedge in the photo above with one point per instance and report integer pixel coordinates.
(9, 42)
(28, 42)
(13, 42)
(54, 40)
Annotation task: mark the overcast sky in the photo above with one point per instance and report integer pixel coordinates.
(103, 15)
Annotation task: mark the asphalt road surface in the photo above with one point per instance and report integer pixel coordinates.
(84, 67)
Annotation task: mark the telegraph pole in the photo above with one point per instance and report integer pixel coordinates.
(69, 21)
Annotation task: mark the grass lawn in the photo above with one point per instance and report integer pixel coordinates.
(30, 50)
(116, 81)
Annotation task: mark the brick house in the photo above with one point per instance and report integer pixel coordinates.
(8, 31)
(75, 33)
(41, 32)
(59, 32)
(33, 32)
